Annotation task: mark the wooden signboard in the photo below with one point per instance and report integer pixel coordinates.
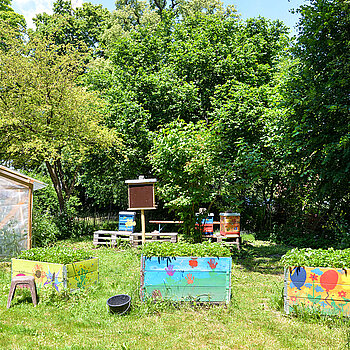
(141, 194)
(141, 197)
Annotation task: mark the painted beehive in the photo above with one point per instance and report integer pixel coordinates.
(327, 289)
(72, 276)
(186, 279)
(126, 221)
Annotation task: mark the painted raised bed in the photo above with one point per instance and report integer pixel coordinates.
(204, 279)
(76, 275)
(327, 289)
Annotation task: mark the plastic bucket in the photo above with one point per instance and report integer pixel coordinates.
(119, 304)
(230, 224)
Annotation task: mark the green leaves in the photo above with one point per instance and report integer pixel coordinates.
(57, 254)
(317, 258)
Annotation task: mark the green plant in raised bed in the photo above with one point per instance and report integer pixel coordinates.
(55, 254)
(317, 257)
(205, 249)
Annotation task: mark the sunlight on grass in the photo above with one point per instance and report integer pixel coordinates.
(252, 320)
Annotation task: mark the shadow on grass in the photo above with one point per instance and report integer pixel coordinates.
(263, 257)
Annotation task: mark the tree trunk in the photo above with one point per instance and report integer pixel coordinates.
(63, 190)
(56, 185)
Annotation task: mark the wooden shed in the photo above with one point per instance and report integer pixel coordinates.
(16, 204)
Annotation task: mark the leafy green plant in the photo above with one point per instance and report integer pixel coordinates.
(317, 257)
(163, 249)
(56, 254)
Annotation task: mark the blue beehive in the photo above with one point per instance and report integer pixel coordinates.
(127, 221)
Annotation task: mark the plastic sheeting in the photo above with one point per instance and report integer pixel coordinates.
(14, 217)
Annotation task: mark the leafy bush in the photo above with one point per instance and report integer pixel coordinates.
(57, 254)
(45, 231)
(163, 249)
(317, 257)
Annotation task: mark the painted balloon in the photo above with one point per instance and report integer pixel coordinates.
(329, 280)
(298, 276)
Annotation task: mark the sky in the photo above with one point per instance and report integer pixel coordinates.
(272, 9)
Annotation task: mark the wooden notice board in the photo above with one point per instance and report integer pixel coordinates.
(141, 194)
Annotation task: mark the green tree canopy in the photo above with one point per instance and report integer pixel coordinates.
(66, 25)
(317, 132)
(45, 115)
(8, 15)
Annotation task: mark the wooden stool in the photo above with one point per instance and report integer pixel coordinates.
(27, 282)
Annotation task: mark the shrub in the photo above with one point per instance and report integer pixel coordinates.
(44, 230)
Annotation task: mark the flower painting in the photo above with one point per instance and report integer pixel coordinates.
(324, 288)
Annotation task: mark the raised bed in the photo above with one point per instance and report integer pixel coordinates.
(322, 288)
(203, 279)
(75, 275)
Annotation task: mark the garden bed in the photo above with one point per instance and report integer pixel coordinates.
(60, 267)
(167, 275)
(321, 287)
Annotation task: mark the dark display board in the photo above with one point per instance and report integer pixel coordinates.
(141, 196)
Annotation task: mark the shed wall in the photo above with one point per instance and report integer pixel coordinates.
(14, 217)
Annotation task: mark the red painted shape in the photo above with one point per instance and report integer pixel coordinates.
(329, 280)
(193, 262)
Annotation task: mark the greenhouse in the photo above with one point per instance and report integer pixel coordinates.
(16, 203)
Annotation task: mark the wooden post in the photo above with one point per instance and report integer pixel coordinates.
(30, 210)
(143, 224)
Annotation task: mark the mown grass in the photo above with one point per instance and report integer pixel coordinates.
(250, 321)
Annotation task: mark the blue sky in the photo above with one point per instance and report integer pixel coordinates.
(272, 9)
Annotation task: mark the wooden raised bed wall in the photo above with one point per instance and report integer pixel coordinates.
(72, 276)
(186, 278)
(326, 289)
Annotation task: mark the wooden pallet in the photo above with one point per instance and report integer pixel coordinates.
(110, 237)
(229, 240)
(136, 238)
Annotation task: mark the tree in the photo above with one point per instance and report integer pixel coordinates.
(184, 157)
(211, 67)
(317, 93)
(9, 16)
(45, 115)
(66, 25)
(131, 15)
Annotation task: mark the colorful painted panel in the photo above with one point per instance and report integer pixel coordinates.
(185, 278)
(318, 287)
(126, 221)
(82, 273)
(78, 275)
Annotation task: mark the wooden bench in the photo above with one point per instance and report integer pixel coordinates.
(136, 238)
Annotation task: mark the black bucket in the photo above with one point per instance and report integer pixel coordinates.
(119, 304)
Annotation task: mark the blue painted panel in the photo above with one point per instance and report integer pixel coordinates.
(126, 221)
(208, 220)
(185, 278)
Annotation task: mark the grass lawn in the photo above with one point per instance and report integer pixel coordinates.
(250, 321)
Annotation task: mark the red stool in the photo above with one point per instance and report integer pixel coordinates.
(27, 282)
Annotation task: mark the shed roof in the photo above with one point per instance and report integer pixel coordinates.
(21, 178)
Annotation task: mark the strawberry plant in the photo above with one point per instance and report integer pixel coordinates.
(56, 254)
(317, 257)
